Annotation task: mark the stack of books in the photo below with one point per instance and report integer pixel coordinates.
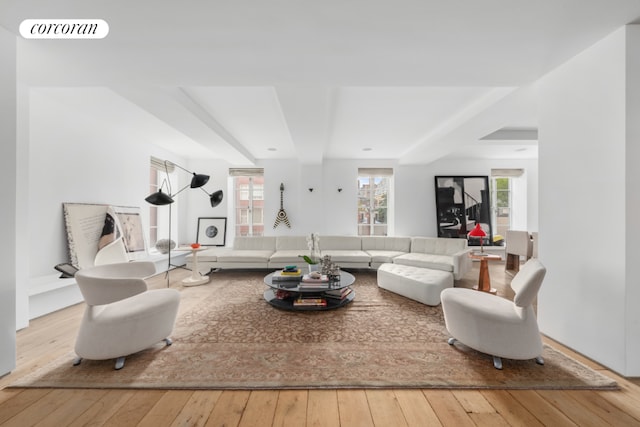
(338, 294)
(323, 278)
(310, 302)
(282, 294)
(320, 283)
(289, 273)
(313, 286)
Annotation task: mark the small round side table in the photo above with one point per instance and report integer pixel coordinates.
(484, 282)
(196, 279)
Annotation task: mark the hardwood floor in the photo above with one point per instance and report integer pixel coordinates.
(54, 334)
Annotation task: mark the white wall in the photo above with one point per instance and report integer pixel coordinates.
(8, 177)
(415, 196)
(76, 157)
(73, 156)
(340, 209)
(585, 190)
(632, 231)
(310, 216)
(22, 206)
(197, 204)
(328, 211)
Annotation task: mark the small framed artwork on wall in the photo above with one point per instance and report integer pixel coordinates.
(212, 231)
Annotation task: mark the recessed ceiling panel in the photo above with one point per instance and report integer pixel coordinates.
(251, 114)
(390, 120)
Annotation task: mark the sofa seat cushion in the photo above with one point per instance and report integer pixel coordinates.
(208, 255)
(381, 257)
(419, 284)
(245, 255)
(339, 256)
(292, 256)
(436, 262)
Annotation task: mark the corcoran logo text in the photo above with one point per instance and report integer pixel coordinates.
(64, 29)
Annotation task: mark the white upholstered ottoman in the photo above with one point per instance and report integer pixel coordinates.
(419, 284)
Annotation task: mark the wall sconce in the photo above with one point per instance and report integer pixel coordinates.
(310, 189)
(339, 190)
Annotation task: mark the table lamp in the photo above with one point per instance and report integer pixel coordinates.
(480, 233)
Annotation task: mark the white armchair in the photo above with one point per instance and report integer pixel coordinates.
(495, 325)
(122, 317)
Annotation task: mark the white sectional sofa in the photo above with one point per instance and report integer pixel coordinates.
(346, 251)
(438, 254)
(288, 250)
(384, 249)
(359, 252)
(247, 252)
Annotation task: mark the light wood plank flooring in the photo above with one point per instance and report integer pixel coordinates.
(54, 335)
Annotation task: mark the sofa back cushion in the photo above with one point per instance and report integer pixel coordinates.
(284, 243)
(437, 245)
(255, 243)
(341, 243)
(386, 243)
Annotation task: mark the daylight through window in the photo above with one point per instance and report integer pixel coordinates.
(373, 201)
(248, 185)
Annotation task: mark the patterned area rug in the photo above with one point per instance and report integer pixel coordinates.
(227, 336)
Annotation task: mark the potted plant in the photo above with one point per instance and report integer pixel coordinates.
(313, 259)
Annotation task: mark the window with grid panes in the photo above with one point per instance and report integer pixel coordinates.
(374, 186)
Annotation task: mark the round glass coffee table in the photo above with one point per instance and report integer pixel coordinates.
(294, 295)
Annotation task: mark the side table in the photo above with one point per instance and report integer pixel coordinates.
(196, 279)
(484, 282)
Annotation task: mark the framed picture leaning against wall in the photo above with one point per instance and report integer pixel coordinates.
(212, 231)
(461, 203)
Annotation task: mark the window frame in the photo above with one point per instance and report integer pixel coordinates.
(368, 201)
(248, 201)
(158, 229)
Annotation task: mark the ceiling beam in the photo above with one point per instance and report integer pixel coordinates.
(203, 115)
(174, 107)
(308, 113)
(436, 145)
(512, 134)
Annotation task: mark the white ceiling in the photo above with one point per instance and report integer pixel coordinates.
(408, 80)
